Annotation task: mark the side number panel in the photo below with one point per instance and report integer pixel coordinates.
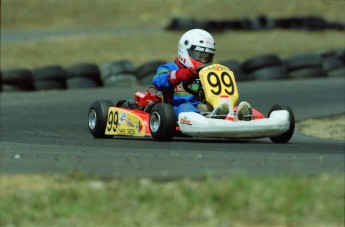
(122, 122)
(113, 121)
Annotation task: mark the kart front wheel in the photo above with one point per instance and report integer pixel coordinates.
(162, 122)
(286, 136)
(97, 118)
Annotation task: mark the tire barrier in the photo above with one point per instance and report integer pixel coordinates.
(259, 62)
(269, 73)
(85, 75)
(17, 80)
(236, 67)
(49, 77)
(329, 63)
(312, 23)
(118, 73)
(146, 71)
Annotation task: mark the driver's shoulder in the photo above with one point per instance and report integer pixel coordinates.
(170, 66)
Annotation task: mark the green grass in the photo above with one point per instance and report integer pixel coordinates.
(101, 49)
(237, 201)
(52, 14)
(46, 15)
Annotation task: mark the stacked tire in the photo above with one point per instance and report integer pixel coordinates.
(317, 65)
(305, 66)
(122, 73)
(265, 67)
(85, 75)
(49, 77)
(146, 71)
(334, 63)
(262, 22)
(236, 67)
(18, 79)
(119, 73)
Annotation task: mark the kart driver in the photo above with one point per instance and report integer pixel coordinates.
(195, 48)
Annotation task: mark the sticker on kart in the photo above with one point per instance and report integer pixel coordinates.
(121, 122)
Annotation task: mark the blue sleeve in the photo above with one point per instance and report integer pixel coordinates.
(161, 79)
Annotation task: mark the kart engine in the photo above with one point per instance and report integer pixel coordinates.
(145, 98)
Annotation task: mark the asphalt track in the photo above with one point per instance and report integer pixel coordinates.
(46, 132)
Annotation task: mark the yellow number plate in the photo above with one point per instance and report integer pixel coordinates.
(218, 83)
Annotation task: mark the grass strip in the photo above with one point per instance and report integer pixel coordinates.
(104, 48)
(43, 14)
(37, 200)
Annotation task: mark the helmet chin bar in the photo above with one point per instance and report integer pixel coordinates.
(196, 63)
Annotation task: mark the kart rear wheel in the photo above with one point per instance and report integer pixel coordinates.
(162, 122)
(97, 118)
(286, 136)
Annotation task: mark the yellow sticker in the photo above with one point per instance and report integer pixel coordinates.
(122, 122)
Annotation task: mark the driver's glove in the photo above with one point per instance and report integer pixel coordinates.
(182, 75)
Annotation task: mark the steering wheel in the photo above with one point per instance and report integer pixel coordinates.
(186, 86)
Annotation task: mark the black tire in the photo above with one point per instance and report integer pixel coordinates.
(236, 68)
(232, 64)
(185, 24)
(20, 79)
(242, 24)
(117, 67)
(97, 118)
(264, 22)
(81, 82)
(49, 85)
(148, 69)
(341, 55)
(11, 88)
(331, 63)
(162, 122)
(286, 136)
(339, 73)
(285, 23)
(49, 77)
(259, 62)
(330, 53)
(87, 70)
(269, 73)
(301, 23)
(49, 73)
(147, 80)
(120, 80)
(333, 53)
(303, 61)
(316, 72)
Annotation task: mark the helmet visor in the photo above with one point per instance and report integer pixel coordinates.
(202, 57)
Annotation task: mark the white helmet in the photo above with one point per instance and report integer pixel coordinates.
(196, 48)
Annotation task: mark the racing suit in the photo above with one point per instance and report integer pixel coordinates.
(181, 100)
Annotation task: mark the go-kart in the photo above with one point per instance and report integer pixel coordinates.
(150, 114)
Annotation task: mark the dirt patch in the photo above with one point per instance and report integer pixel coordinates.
(329, 128)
